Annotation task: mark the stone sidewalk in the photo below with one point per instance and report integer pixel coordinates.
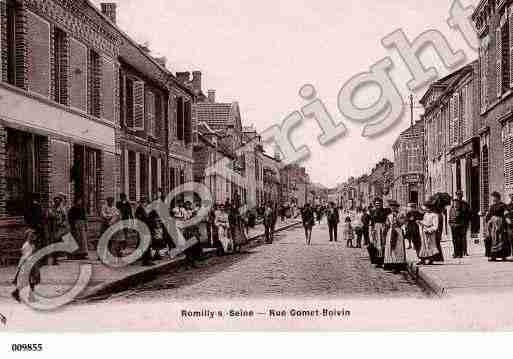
(57, 280)
(470, 275)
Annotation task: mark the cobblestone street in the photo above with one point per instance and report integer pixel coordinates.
(287, 268)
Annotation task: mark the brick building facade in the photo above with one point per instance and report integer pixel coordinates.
(494, 23)
(59, 117)
(408, 186)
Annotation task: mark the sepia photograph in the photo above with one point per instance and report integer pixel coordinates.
(239, 166)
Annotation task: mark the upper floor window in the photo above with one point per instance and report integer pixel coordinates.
(60, 60)
(94, 84)
(505, 39)
(184, 120)
(11, 41)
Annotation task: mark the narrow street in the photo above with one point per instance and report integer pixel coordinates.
(287, 268)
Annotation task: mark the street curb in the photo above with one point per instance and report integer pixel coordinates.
(146, 274)
(425, 280)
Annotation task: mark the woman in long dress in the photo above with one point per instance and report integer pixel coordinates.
(428, 232)
(223, 226)
(395, 250)
(378, 232)
(495, 219)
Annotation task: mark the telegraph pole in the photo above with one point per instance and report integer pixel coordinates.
(411, 108)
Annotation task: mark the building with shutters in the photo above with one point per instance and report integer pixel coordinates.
(213, 164)
(59, 111)
(271, 167)
(251, 151)
(494, 24)
(409, 165)
(225, 120)
(295, 181)
(155, 137)
(452, 145)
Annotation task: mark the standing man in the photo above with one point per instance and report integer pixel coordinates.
(308, 218)
(125, 212)
(412, 228)
(333, 221)
(459, 219)
(268, 223)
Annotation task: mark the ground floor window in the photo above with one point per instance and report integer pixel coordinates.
(87, 177)
(154, 178)
(485, 181)
(23, 172)
(132, 176)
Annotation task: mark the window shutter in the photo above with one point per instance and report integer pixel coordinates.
(179, 119)
(150, 113)
(38, 54)
(510, 21)
(484, 78)
(138, 106)
(456, 117)
(187, 123)
(171, 117)
(159, 116)
(463, 114)
(498, 47)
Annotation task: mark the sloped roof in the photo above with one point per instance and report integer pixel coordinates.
(217, 115)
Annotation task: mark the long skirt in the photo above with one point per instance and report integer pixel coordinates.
(395, 250)
(500, 246)
(439, 257)
(377, 245)
(428, 246)
(225, 240)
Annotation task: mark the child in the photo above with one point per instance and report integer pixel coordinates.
(28, 249)
(348, 232)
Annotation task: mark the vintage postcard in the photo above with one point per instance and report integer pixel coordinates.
(234, 165)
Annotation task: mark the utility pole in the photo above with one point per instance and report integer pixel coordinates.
(411, 108)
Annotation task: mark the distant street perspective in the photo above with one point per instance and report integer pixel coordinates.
(287, 268)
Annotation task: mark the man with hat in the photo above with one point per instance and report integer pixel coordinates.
(459, 219)
(412, 229)
(378, 232)
(57, 224)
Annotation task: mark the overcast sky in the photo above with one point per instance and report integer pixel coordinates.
(261, 53)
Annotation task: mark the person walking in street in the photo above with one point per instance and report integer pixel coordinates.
(268, 223)
(412, 228)
(109, 214)
(366, 225)
(428, 231)
(34, 240)
(508, 216)
(459, 219)
(77, 218)
(308, 218)
(333, 221)
(348, 232)
(499, 246)
(358, 226)
(142, 215)
(222, 224)
(378, 232)
(395, 251)
(57, 225)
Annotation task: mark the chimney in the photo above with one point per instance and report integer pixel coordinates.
(183, 77)
(161, 60)
(196, 81)
(212, 96)
(109, 9)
